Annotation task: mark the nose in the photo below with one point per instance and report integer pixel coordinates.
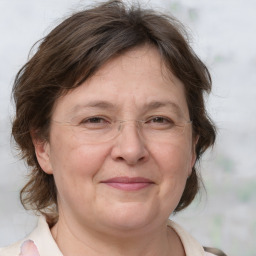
(129, 146)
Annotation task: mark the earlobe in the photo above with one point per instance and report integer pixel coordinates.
(42, 151)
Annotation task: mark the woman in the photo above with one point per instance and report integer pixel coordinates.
(110, 117)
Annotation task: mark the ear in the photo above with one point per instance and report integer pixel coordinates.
(194, 156)
(42, 150)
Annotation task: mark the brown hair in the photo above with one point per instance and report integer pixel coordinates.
(72, 52)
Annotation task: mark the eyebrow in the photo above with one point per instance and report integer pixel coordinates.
(159, 104)
(153, 105)
(93, 104)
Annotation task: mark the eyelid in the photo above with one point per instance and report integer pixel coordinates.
(159, 116)
(96, 117)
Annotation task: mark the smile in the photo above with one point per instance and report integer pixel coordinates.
(128, 183)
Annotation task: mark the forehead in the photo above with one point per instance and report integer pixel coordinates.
(134, 80)
(140, 61)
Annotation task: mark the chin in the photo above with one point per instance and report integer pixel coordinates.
(130, 216)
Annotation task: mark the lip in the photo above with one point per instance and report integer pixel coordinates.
(128, 183)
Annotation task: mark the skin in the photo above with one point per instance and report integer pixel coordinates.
(95, 218)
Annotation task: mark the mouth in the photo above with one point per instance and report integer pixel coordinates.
(128, 183)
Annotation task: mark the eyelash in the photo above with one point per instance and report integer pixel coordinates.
(94, 120)
(99, 119)
(163, 119)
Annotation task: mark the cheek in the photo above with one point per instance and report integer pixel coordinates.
(174, 166)
(174, 163)
(174, 158)
(67, 152)
(74, 164)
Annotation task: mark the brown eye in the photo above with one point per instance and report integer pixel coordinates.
(95, 122)
(159, 119)
(160, 122)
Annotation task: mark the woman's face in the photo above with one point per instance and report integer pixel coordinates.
(131, 181)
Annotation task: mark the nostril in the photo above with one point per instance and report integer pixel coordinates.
(120, 158)
(141, 159)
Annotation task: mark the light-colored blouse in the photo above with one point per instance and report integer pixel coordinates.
(41, 243)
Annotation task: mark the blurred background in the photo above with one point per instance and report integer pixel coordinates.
(223, 35)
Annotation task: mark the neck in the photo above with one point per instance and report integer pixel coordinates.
(71, 241)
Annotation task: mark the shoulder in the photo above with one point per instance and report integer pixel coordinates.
(213, 251)
(191, 245)
(25, 246)
(12, 250)
(209, 254)
(38, 242)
